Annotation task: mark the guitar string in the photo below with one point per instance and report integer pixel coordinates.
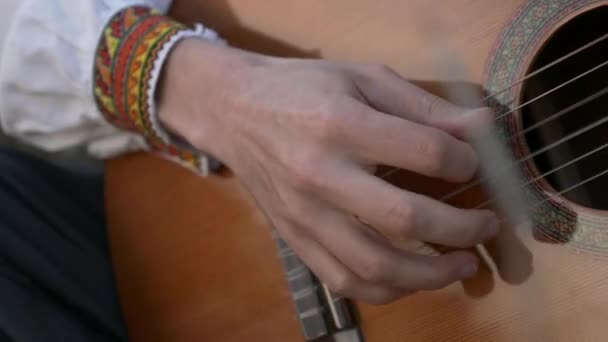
(527, 77)
(547, 67)
(541, 96)
(551, 91)
(553, 117)
(521, 133)
(537, 72)
(544, 149)
(547, 148)
(569, 163)
(568, 189)
(425, 246)
(534, 154)
(550, 172)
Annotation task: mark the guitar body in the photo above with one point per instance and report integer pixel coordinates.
(195, 259)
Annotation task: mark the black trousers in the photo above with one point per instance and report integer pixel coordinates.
(56, 281)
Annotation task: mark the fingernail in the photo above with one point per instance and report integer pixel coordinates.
(484, 115)
(490, 229)
(493, 226)
(480, 118)
(469, 270)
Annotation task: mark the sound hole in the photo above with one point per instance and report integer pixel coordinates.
(581, 30)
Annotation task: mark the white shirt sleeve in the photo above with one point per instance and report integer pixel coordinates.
(46, 74)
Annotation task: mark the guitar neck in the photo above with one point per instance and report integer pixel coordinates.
(318, 310)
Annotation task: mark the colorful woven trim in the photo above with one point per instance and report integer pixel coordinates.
(127, 65)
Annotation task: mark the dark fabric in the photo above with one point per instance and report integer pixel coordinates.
(4, 337)
(56, 282)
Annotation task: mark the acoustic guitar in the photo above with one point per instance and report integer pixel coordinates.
(196, 261)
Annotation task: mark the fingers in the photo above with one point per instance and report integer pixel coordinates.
(484, 282)
(378, 262)
(400, 214)
(377, 138)
(513, 259)
(334, 274)
(385, 90)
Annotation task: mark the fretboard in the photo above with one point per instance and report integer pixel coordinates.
(319, 311)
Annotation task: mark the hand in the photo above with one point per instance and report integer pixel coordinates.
(304, 136)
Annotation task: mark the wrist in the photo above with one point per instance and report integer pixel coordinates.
(130, 57)
(196, 87)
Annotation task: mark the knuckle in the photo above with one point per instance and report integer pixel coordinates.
(305, 175)
(296, 215)
(382, 69)
(402, 218)
(436, 152)
(328, 120)
(340, 283)
(302, 176)
(373, 268)
(378, 70)
(429, 104)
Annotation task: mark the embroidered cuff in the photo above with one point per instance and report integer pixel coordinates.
(130, 56)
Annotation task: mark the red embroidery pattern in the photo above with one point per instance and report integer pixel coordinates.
(129, 46)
